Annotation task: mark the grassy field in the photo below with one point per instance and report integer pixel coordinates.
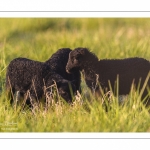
(38, 39)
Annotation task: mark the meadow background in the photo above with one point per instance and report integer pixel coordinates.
(39, 38)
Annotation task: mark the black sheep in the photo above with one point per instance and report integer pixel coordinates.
(25, 75)
(58, 62)
(129, 70)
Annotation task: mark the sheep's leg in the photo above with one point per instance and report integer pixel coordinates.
(26, 99)
(30, 99)
(16, 99)
(10, 92)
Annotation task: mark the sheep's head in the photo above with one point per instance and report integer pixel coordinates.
(76, 59)
(66, 90)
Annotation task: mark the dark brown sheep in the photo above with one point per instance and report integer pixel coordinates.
(129, 71)
(25, 75)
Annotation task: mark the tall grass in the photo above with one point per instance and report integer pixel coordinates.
(39, 38)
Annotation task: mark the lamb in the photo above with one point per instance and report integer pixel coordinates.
(99, 73)
(29, 76)
(58, 62)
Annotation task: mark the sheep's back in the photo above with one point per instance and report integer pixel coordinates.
(130, 70)
(21, 72)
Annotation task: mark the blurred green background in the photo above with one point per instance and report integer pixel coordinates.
(37, 38)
